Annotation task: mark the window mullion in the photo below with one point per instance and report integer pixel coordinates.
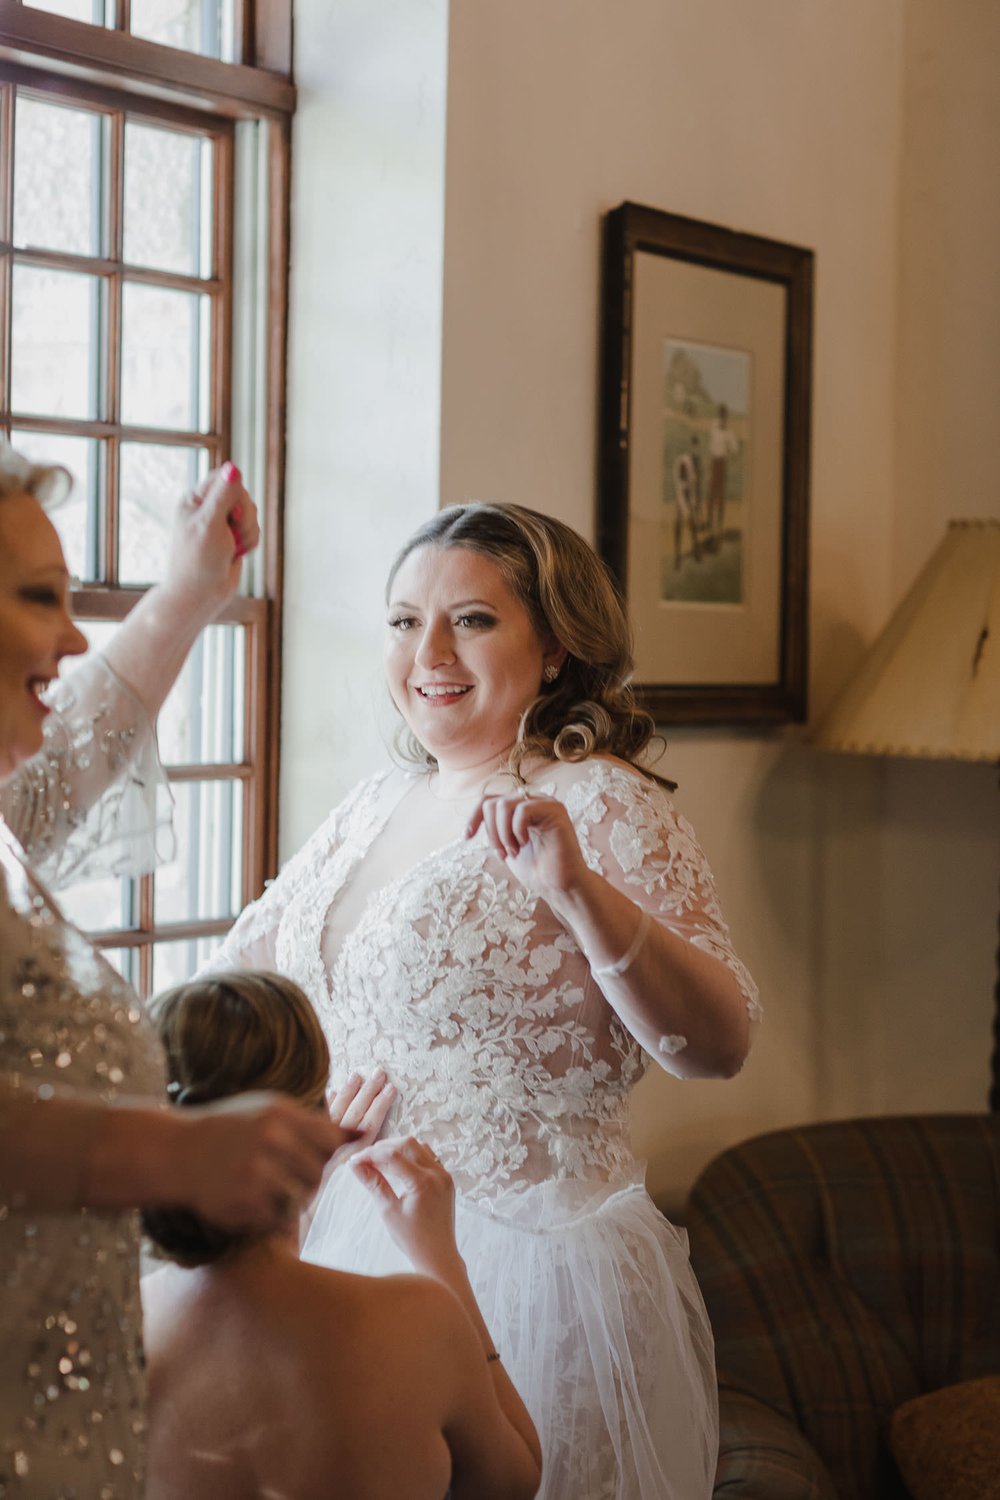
(254, 729)
(146, 925)
(143, 980)
(7, 231)
(113, 177)
(102, 265)
(7, 164)
(222, 299)
(97, 468)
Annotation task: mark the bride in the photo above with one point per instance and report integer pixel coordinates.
(511, 928)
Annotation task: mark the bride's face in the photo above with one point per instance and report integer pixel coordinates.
(36, 631)
(462, 657)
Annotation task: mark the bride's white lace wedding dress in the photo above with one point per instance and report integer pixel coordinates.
(512, 1064)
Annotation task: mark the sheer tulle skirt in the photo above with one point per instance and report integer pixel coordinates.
(595, 1310)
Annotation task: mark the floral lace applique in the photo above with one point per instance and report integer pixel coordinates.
(470, 992)
(631, 833)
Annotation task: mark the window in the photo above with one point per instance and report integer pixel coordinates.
(203, 26)
(142, 253)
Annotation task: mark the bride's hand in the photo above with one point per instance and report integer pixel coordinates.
(360, 1106)
(416, 1197)
(535, 838)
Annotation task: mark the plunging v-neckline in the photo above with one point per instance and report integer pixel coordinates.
(331, 961)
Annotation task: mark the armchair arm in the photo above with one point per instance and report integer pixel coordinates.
(764, 1456)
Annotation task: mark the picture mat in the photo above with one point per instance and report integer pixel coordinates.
(690, 643)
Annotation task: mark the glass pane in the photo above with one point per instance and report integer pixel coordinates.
(192, 25)
(202, 720)
(100, 905)
(153, 479)
(206, 878)
(54, 342)
(165, 358)
(168, 200)
(125, 960)
(76, 519)
(77, 10)
(173, 963)
(57, 155)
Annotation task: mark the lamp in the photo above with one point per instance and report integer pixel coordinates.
(930, 685)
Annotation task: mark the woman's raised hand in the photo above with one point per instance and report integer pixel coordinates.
(416, 1197)
(214, 528)
(534, 836)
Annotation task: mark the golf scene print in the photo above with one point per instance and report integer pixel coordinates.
(706, 444)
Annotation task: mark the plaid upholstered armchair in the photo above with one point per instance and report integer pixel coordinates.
(847, 1268)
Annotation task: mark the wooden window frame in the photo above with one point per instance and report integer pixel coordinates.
(258, 85)
(104, 68)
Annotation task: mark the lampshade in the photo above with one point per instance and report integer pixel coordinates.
(930, 685)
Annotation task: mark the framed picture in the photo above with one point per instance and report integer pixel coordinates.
(704, 463)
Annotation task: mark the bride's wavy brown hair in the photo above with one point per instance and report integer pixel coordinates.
(568, 592)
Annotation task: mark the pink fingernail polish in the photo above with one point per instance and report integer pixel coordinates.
(231, 473)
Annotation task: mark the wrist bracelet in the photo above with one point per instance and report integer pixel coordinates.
(611, 971)
(491, 1357)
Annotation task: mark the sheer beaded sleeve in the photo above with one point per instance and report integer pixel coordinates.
(95, 799)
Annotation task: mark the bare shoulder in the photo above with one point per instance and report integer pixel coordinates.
(414, 1301)
(401, 1334)
(405, 1300)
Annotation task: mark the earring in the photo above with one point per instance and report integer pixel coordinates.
(550, 672)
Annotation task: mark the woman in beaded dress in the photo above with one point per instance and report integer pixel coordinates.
(513, 928)
(84, 1139)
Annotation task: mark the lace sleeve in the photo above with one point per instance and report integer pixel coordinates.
(632, 834)
(95, 799)
(251, 942)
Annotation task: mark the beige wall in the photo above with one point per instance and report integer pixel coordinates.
(861, 893)
(940, 852)
(364, 374)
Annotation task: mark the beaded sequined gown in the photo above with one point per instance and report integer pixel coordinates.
(510, 1061)
(72, 1388)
